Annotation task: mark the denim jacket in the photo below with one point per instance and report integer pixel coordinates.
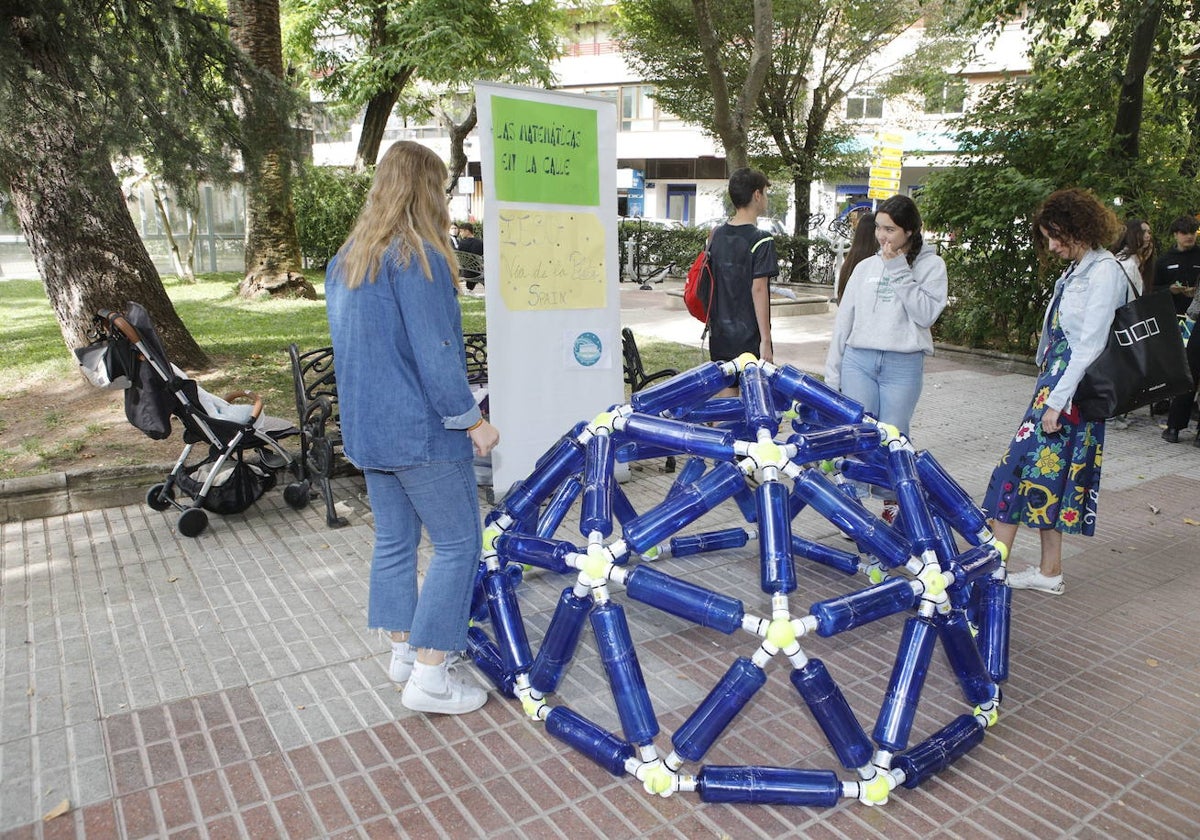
(1091, 293)
(400, 363)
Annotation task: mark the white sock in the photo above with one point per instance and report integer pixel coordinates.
(431, 678)
(403, 650)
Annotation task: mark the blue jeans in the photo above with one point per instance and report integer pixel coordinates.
(442, 497)
(887, 383)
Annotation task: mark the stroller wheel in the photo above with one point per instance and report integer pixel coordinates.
(155, 498)
(192, 522)
(296, 494)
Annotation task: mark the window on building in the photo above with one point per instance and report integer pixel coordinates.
(864, 106)
(946, 98)
(637, 108)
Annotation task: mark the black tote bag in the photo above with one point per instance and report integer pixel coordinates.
(1143, 362)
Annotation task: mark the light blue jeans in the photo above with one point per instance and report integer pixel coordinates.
(887, 383)
(442, 497)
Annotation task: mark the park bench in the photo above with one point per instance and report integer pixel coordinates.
(317, 406)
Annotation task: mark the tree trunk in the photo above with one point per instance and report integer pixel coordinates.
(375, 120)
(1128, 124)
(182, 269)
(731, 117)
(86, 246)
(801, 252)
(458, 136)
(73, 214)
(273, 258)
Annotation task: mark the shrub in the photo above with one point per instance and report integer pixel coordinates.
(327, 200)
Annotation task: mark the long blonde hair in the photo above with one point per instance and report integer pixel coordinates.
(406, 205)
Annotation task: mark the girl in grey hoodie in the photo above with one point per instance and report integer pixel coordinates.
(881, 334)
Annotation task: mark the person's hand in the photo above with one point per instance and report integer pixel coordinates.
(888, 251)
(1050, 424)
(765, 351)
(484, 437)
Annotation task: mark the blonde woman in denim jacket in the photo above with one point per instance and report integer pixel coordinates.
(1049, 478)
(410, 422)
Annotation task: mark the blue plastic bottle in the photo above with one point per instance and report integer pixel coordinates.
(711, 541)
(834, 558)
(815, 395)
(818, 445)
(560, 641)
(768, 785)
(693, 439)
(487, 658)
(597, 743)
(756, 399)
(856, 470)
(506, 621)
(720, 707)
(914, 512)
(563, 459)
(686, 600)
(940, 750)
(846, 612)
(689, 388)
(624, 674)
(557, 507)
(949, 499)
(534, 551)
(895, 720)
(673, 513)
(995, 608)
(597, 508)
(622, 507)
(889, 545)
(833, 714)
(963, 655)
(691, 470)
(777, 570)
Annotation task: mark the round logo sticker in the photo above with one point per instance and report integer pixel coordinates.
(587, 349)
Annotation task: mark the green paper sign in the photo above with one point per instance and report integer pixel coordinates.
(545, 153)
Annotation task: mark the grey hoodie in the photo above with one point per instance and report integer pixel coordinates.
(888, 306)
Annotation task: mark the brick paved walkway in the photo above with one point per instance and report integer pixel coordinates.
(227, 687)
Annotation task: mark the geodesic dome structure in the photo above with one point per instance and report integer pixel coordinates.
(786, 446)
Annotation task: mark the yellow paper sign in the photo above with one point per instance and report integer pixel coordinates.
(551, 260)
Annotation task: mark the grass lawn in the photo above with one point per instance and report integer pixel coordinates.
(245, 340)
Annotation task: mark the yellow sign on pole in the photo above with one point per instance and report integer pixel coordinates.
(886, 164)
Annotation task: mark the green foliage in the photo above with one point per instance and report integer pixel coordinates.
(133, 76)
(327, 201)
(441, 42)
(1030, 136)
(658, 246)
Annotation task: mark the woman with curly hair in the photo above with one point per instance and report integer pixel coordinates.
(1049, 479)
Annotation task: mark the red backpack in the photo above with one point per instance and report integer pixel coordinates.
(698, 290)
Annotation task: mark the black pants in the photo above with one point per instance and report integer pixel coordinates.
(1181, 406)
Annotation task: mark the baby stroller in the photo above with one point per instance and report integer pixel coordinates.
(244, 452)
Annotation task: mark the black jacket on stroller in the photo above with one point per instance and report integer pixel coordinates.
(244, 452)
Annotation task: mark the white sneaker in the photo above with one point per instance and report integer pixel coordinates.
(1032, 578)
(401, 666)
(403, 657)
(436, 689)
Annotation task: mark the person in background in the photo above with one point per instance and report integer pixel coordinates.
(1134, 250)
(410, 422)
(469, 243)
(862, 245)
(1049, 477)
(743, 262)
(881, 333)
(1179, 268)
(454, 236)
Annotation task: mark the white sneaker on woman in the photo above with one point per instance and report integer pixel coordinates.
(436, 689)
(1032, 578)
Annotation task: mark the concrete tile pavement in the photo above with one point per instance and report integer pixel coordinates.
(227, 686)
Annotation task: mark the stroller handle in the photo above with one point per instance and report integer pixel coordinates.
(258, 403)
(116, 319)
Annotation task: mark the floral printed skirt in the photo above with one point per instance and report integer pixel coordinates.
(1049, 481)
